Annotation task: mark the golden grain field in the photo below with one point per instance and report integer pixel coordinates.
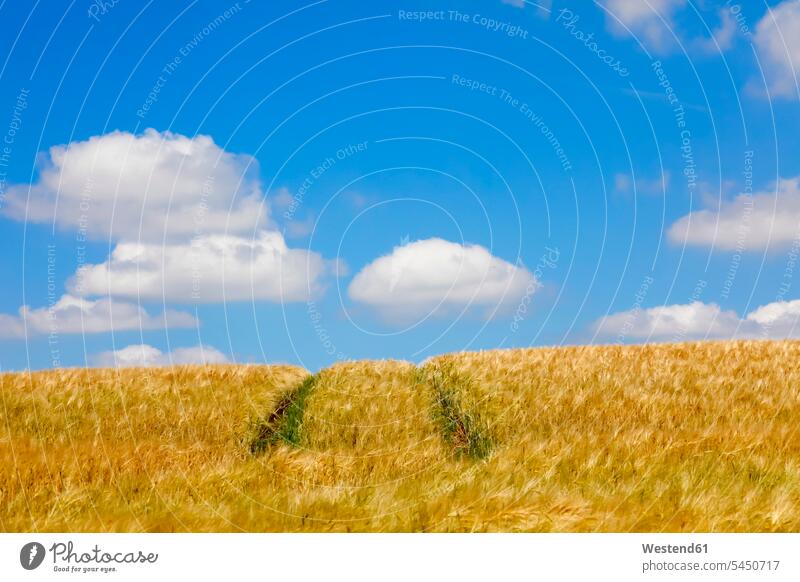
(684, 437)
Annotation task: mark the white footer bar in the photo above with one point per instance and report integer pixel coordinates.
(382, 557)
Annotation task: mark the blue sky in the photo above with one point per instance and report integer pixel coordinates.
(306, 183)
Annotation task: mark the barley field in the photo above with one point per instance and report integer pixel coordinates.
(682, 437)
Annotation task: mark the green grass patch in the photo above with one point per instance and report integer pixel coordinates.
(462, 427)
(284, 424)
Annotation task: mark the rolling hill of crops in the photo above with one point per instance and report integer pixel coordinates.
(682, 437)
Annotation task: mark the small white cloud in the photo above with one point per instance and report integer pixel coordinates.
(699, 320)
(143, 355)
(543, 7)
(624, 184)
(651, 21)
(434, 274)
(71, 315)
(207, 269)
(357, 200)
(779, 319)
(300, 228)
(777, 39)
(283, 200)
(766, 220)
(150, 187)
(722, 36)
(695, 320)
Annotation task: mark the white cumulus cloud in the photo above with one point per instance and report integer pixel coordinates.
(152, 186)
(419, 277)
(765, 220)
(188, 220)
(143, 355)
(777, 39)
(698, 320)
(207, 269)
(77, 315)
